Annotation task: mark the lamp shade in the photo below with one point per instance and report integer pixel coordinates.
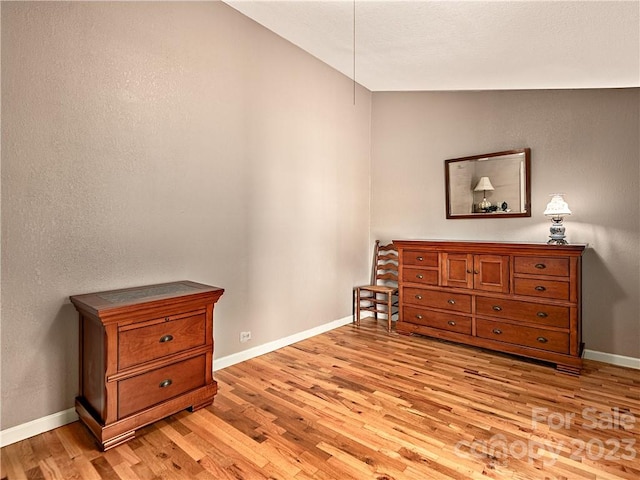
(484, 184)
(557, 206)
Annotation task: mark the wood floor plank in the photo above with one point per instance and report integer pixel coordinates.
(12, 467)
(125, 472)
(85, 469)
(360, 403)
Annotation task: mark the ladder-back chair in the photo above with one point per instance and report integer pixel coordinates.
(381, 296)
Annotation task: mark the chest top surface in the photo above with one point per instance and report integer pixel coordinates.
(489, 247)
(100, 302)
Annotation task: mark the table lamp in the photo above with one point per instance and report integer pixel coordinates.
(557, 208)
(483, 185)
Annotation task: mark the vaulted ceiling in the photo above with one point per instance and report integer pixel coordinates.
(464, 45)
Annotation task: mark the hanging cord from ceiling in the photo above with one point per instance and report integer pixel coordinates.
(354, 52)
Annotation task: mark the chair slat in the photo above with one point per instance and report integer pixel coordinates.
(388, 276)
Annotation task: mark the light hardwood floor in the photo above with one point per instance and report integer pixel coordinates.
(364, 404)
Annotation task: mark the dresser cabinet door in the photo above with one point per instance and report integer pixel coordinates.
(491, 273)
(480, 272)
(457, 270)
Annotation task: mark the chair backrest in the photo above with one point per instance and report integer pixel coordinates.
(385, 265)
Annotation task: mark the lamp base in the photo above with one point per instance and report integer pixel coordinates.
(557, 241)
(557, 232)
(484, 204)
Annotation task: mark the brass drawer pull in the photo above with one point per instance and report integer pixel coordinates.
(540, 288)
(497, 308)
(469, 271)
(497, 331)
(451, 301)
(420, 276)
(419, 297)
(166, 338)
(165, 383)
(420, 259)
(452, 323)
(541, 266)
(419, 317)
(476, 272)
(542, 314)
(542, 340)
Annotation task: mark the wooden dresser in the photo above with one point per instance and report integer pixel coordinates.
(517, 298)
(145, 353)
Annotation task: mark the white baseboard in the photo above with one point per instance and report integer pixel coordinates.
(44, 424)
(37, 426)
(224, 362)
(613, 359)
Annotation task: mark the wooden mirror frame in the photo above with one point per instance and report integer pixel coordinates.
(524, 209)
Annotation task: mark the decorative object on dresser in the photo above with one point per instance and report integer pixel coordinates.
(510, 184)
(518, 298)
(145, 353)
(557, 208)
(381, 295)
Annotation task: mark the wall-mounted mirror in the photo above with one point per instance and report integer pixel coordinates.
(491, 185)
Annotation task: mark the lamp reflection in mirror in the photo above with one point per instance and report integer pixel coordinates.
(483, 185)
(557, 208)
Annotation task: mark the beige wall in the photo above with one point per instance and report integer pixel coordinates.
(583, 143)
(149, 142)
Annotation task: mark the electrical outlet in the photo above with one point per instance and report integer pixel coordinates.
(245, 337)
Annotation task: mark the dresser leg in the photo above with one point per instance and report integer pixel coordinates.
(193, 408)
(119, 440)
(405, 333)
(571, 370)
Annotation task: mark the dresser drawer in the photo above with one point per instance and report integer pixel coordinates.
(423, 259)
(417, 275)
(528, 336)
(148, 389)
(140, 344)
(556, 267)
(457, 302)
(541, 288)
(443, 321)
(524, 311)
